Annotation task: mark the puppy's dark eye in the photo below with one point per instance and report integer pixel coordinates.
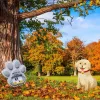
(16, 78)
(80, 63)
(84, 63)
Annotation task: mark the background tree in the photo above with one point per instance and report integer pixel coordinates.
(67, 62)
(76, 50)
(43, 49)
(93, 50)
(35, 51)
(53, 64)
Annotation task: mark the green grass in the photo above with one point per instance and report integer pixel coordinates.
(67, 78)
(30, 76)
(62, 78)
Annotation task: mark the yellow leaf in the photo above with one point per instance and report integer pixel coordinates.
(91, 3)
(35, 95)
(97, 88)
(26, 93)
(97, 2)
(49, 91)
(46, 97)
(1, 96)
(75, 5)
(76, 98)
(53, 96)
(91, 95)
(32, 84)
(81, 4)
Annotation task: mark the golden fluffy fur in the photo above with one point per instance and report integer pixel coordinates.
(85, 79)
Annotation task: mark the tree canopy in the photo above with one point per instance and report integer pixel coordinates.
(44, 49)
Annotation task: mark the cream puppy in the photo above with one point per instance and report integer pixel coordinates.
(85, 79)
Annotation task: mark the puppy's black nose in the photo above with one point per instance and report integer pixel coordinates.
(16, 78)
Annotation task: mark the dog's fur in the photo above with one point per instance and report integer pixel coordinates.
(85, 79)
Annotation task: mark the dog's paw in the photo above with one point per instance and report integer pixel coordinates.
(14, 72)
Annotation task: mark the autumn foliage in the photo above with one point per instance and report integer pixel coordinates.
(43, 49)
(93, 51)
(76, 49)
(45, 52)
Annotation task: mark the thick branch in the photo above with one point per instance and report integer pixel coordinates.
(46, 9)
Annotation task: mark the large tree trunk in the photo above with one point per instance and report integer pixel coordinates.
(9, 36)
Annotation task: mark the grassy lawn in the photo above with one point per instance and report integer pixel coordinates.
(67, 78)
(62, 78)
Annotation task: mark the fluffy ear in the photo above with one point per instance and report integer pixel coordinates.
(22, 68)
(5, 73)
(16, 63)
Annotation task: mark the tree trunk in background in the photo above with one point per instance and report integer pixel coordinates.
(75, 72)
(48, 73)
(39, 69)
(39, 74)
(9, 36)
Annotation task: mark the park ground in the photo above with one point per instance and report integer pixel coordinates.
(48, 88)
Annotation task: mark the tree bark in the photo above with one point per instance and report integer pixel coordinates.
(9, 36)
(4, 11)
